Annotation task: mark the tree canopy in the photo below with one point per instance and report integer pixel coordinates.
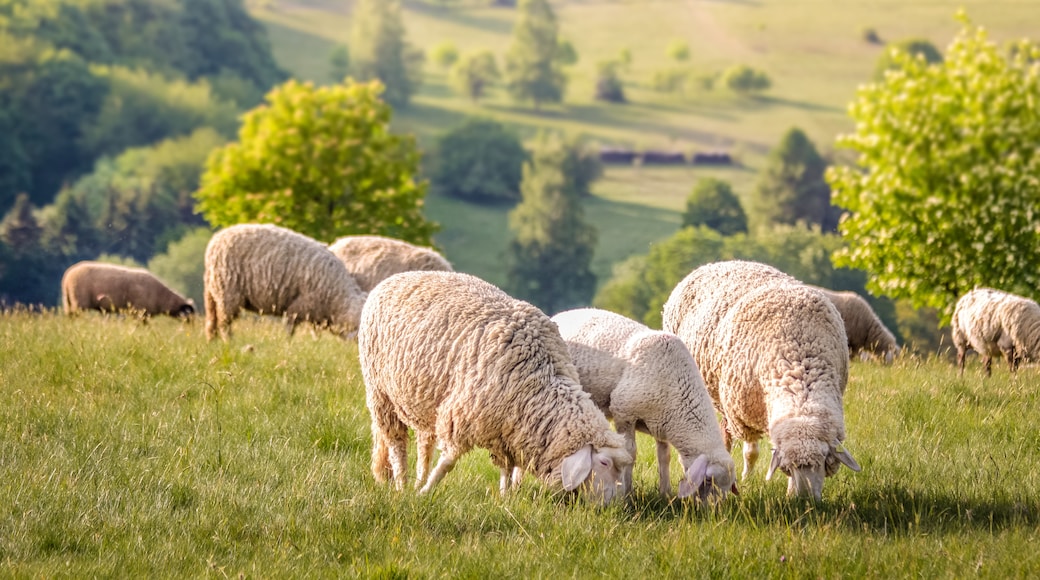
(712, 203)
(945, 192)
(479, 161)
(534, 63)
(791, 187)
(321, 161)
(379, 50)
(550, 255)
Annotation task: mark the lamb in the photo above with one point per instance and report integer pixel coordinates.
(991, 323)
(646, 380)
(461, 362)
(865, 331)
(371, 259)
(109, 288)
(272, 270)
(775, 360)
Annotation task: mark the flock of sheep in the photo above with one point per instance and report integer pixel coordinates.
(462, 364)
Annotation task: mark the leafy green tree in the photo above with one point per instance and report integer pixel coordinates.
(712, 203)
(339, 63)
(944, 195)
(444, 54)
(475, 72)
(915, 47)
(550, 255)
(379, 49)
(744, 79)
(479, 161)
(791, 187)
(678, 50)
(535, 61)
(608, 82)
(321, 161)
(29, 274)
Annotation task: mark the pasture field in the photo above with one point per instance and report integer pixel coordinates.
(813, 51)
(137, 450)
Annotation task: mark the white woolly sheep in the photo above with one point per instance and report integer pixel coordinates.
(775, 360)
(462, 363)
(272, 270)
(110, 288)
(646, 380)
(991, 323)
(865, 331)
(372, 259)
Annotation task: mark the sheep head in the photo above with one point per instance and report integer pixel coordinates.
(597, 472)
(706, 482)
(806, 460)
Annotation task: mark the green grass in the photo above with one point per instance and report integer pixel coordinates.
(142, 450)
(813, 51)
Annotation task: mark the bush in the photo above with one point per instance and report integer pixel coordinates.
(479, 161)
(444, 54)
(744, 79)
(713, 204)
(608, 84)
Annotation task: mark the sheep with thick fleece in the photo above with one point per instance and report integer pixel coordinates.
(775, 359)
(461, 362)
(372, 259)
(110, 288)
(865, 331)
(273, 270)
(646, 380)
(991, 323)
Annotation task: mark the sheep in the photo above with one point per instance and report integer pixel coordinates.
(992, 322)
(371, 259)
(775, 360)
(646, 380)
(272, 270)
(865, 331)
(465, 365)
(109, 288)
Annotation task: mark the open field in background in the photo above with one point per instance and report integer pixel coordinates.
(142, 450)
(813, 50)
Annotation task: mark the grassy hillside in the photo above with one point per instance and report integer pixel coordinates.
(144, 451)
(814, 53)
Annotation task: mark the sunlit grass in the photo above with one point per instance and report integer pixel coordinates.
(143, 450)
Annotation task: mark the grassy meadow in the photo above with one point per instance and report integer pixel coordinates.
(135, 450)
(814, 53)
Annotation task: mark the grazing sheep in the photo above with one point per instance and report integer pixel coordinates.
(371, 259)
(992, 323)
(272, 270)
(109, 288)
(462, 363)
(646, 380)
(865, 331)
(775, 360)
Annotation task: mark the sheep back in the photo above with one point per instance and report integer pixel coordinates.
(863, 328)
(450, 353)
(372, 259)
(273, 270)
(108, 287)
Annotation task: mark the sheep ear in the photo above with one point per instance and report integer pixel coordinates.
(694, 476)
(844, 456)
(774, 463)
(576, 467)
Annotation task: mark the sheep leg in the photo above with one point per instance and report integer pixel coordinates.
(961, 354)
(750, 457)
(389, 441)
(510, 479)
(664, 459)
(445, 463)
(424, 441)
(628, 430)
(987, 363)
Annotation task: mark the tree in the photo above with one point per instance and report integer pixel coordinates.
(534, 63)
(744, 79)
(379, 49)
(549, 258)
(678, 50)
(321, 161)
(944, 195)
(791, 187)
(339, 63)
(479, 161)
(444, 54)
(713, 203)
(608, 82)
(916, 47)
(475, 72)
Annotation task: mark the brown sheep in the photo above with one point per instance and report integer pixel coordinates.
(111, 288)
(372, 259)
